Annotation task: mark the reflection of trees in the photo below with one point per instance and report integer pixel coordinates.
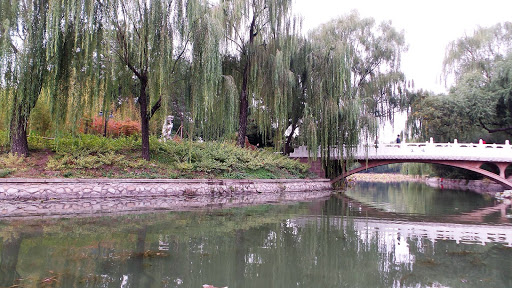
(10, 252)
(457, 265)
(256, 247)
(240, 257)
(137, 277)
(9, 260)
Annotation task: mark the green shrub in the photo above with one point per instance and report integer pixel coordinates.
(10, 160)
(95, 144)
(5, 172)
(261, 174)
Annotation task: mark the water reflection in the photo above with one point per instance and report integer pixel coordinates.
(340, 242)
(417, 198)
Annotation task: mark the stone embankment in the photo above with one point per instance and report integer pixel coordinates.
(34, 197)
(478, 186)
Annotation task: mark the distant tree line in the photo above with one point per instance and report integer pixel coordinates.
(479, 104)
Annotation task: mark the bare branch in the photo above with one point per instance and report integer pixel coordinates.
(181, 54)
(155, 107)
(236, 43)
(124, 56)
(505, 129)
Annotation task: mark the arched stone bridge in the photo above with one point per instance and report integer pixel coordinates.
(468, 156)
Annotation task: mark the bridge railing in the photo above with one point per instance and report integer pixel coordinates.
(427, 150)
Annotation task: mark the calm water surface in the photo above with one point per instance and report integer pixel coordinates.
(377, 235)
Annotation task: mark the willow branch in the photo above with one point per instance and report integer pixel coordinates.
(236, 43)
(134, 70)
(14, 48)
(181, 53)
(155, 107)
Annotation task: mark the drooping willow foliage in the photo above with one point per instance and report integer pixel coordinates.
(478, 53)
(108, 52)
(355, 80)
(215, 66)
(256, 34)
(23, 62)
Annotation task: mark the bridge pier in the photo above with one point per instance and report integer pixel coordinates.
(503, 168)
(316, 166)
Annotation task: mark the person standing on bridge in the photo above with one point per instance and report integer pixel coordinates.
(398, 139)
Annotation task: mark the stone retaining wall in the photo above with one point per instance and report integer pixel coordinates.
(45, 189)
(38, 197)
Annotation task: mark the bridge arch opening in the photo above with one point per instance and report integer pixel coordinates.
(508, 171)
(491, 167)
(468, 167)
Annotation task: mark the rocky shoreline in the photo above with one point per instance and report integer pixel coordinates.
(479, 186)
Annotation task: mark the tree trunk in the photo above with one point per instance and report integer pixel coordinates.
(244, 94)
(105, 124)
(244, 107)
(287, 144)
(18, 134)
(144, 119)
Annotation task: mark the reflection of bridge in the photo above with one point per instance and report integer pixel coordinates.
(460, 233)
(468, 156)
(469, 227)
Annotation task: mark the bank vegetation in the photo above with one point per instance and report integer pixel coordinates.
(91, 156)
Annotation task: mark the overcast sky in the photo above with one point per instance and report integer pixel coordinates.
(428, 25)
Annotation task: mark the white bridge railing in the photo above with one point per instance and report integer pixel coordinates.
(425, 151)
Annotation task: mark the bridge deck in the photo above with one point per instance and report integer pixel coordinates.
(425, 151)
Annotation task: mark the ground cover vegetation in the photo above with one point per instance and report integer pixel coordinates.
(478, 105)
(92, 156)
(77, 67)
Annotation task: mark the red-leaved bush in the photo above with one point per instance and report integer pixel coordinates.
(114, 128)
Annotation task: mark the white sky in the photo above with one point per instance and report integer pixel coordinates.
(428, 25)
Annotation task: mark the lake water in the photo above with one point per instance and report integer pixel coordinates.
(377, 235)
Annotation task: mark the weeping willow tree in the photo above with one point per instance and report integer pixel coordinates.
(23, 59)
(300, 83)
(84, 53)
(152, 39)
(355, 80)
(280, 102)
(77, 67)
(250, 26)
(478, 53)
(212, 102)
